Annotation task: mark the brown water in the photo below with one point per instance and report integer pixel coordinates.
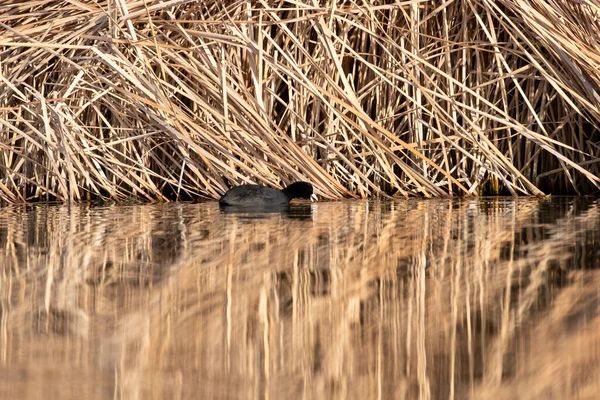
(495, 299)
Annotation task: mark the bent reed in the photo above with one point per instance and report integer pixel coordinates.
(162, 100)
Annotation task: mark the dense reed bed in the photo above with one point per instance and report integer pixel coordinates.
(402, 300)
(175, 99)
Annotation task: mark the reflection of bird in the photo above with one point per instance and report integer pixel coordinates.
(262, 196)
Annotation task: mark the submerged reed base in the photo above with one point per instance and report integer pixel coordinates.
(159, 100)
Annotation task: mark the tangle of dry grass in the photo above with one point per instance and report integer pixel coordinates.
(160, 100)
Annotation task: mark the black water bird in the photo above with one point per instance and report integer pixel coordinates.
(262, 196)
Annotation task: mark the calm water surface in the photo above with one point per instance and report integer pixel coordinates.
(459, 299)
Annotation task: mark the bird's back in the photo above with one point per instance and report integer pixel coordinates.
(254, 196)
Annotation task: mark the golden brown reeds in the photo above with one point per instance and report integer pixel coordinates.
(159, 100)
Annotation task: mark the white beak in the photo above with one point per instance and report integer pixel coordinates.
(313, 197)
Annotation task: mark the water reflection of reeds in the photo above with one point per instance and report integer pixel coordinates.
(434, 299)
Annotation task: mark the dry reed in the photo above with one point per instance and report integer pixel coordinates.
(159, 100)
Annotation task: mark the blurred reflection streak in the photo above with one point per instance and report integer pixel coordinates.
(410, 299)
(300, 211)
